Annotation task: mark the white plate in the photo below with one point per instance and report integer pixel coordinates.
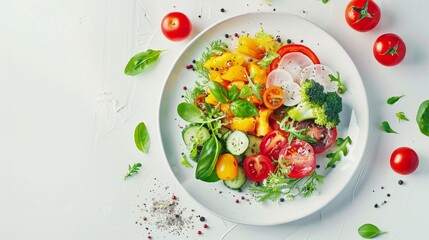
(354, 120)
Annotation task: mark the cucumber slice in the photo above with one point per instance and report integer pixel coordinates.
(237, 142)
(195, 135)
(237, 182)
(254, 143)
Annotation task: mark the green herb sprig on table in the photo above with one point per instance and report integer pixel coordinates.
(132, 170)
(369, 231)
(142, 62)
(386, 127)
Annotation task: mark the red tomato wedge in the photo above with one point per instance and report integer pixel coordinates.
(273, 142)
(299, 156)
(293, 48)
(257, 167)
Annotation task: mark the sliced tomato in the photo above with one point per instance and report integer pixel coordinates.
(273, 97)
(293, 48)
(273, 142)
(325, 137)
(200, 102)
(299, 157)
(257, 167)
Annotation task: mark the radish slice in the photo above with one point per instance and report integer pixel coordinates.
(319, 73)
(294, 62)
(291, 93)
(278, 77)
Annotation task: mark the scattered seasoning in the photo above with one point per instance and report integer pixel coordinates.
(242, 198)
(226, 35)
(385, 202)
(222, 9)
(199, 16)
(289, 41)
(388, 195)
(400, 182)
(274, 9)
(302, 41)
(194, 61)
(174, 197)
(205, 226)
(317, 166)
(382, 187)
(237, 201)
(202, 219)
(199, 232)
(185, 88)
(282, 199)
(236, 35)
(376, 205)
(190, 66)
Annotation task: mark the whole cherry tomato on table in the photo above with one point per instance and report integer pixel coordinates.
(389, 49)
(362, 15)
(404, 160)
(176, 26)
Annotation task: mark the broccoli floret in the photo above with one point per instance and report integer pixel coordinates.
(323, 107)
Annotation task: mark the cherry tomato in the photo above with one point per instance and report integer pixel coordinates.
(200, 102)
(293, 48)
(299, 157)
(404, 160)
(227, 167)
(257, 167)
(389, 49)
(325, 137)
(362, 15)
(273, 97)
(176, 26)
(272, 143)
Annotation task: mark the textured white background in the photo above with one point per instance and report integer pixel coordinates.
(68, 114)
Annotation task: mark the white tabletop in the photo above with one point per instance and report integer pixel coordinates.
(68, 115)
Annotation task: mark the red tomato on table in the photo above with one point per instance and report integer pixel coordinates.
(362, 15)
(176, 26)
(389, 49)
(404, 160)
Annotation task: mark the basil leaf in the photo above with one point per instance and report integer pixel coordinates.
(401, 116)
(207, 161)
(422, 117)
(142, 62)
(233, 93)
(386, 127)
(218, 91)
(393, 99)
(190, 113)
(243, 108)
(141, 137)
(369, 231)
(245, 92)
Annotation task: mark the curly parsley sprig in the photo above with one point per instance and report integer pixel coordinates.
(132, 170)
(215, 47)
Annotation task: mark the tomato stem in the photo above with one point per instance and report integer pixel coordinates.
(392, 50)
(363, 12)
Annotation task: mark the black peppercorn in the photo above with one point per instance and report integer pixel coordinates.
(222, 9)
(400, 182)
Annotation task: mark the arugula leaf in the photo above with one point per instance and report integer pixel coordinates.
(394, 99)
(255, 88)
(341, 87)
(245, 92)
(268, 58)
(295, 133)
(132, 170)
(142, 62)
(386, 127)
(185, 161)
(215, 47)
(401, 116)
(342, 148)
(369, 231)
(141, 137)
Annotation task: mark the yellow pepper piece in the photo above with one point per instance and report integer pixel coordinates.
(262, 122)
(250, 47)
(235, 73)
(215, 76)
(220, 63)
(260, 74)
(210, 99)
(246, 125)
